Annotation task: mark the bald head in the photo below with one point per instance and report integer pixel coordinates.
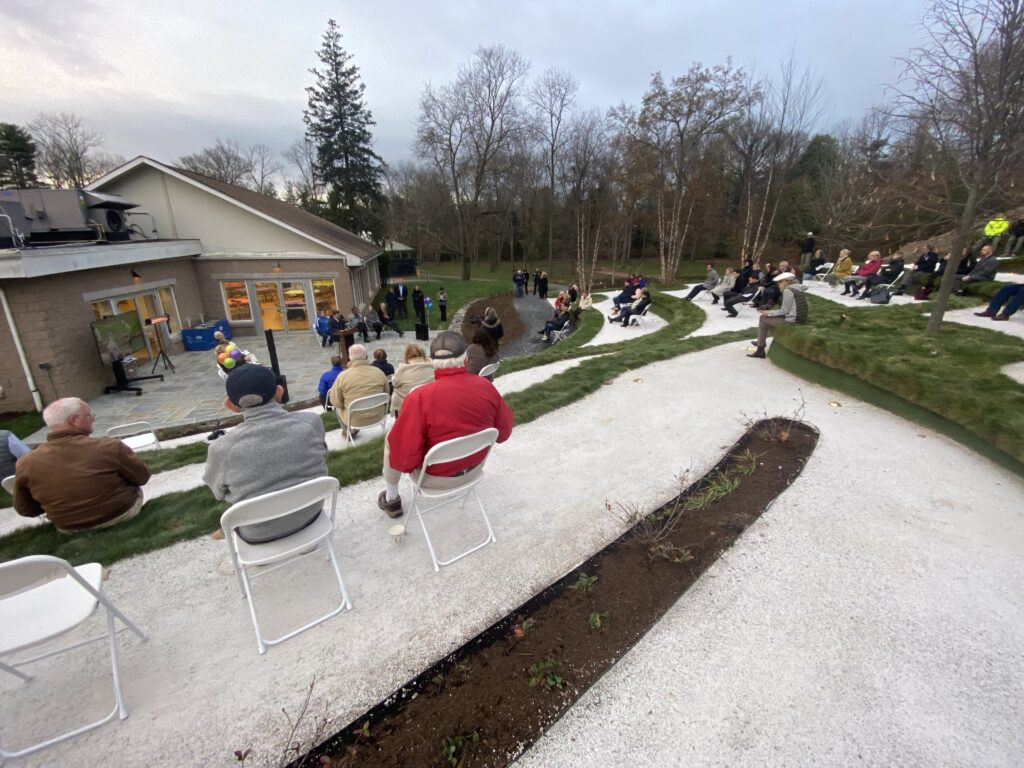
(357, 352)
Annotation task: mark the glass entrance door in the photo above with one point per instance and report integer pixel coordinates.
(268, 297)
(296, 308)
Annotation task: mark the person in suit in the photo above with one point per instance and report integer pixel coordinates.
(401, 299)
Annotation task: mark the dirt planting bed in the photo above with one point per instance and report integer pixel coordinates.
(505, 307)
(486, 703)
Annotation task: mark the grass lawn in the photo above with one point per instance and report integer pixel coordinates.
(955, 374)
(459, 293)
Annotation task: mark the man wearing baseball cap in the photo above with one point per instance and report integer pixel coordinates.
(455, 404)
(270, 450)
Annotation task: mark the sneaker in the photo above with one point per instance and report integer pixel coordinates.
(390, 508)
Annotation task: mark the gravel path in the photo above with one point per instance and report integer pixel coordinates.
(534, 312)
(857, 621)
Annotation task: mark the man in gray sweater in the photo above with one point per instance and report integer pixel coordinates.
(710, 282)
(270, 450)
(984, 271)
(793, 310)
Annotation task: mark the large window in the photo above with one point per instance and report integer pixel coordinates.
(170, 308)
(324, 296)
(236, 299)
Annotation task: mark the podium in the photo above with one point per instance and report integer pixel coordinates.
(345, 340)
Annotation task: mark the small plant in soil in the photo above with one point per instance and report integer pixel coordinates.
(584, 583)
(543, 673)
(523, 628)
(453, 747)
(438, 682)
(746, 462)
(597, 619)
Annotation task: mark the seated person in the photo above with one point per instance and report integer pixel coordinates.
(886, 275)
(579, 307)
(626, 296)
(558, 322)
(727, 283)
(866, 270)
(385, 319)
(634, 309)
(270, 450)
(455, 405)
(481, 352)
(926, 264)
(793, 310)
(335, 323)
(967, 263)
(984, 271)
(360, 380)
(362, 324)
(1011, 295)
(11, 449)
(710, 281)
(321, 328)
(615, 315)
(380, 360)
(770, 293)
(842, 269)
(414, 372)
(327, 380)
(743, 290)
(816, 265)
(78, 482)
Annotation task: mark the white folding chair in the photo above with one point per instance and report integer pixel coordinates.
(138, 435)
(453, 450)
(821, 277)
(271, 506)
(489, 370)
(362, 405)
(640, 320)
(560, 334)
(43, 597)
(8, 484)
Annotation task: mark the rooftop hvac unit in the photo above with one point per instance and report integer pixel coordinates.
(71, 215)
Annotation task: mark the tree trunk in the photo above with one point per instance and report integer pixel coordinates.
(949, 277)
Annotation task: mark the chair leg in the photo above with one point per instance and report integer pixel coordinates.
(15, 672)
(426, 535)
(247, 589)
(122, 712)
(337, 572)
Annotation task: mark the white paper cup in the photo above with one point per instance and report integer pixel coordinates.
(397, 532)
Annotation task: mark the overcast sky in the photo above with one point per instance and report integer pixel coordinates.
(166, 78)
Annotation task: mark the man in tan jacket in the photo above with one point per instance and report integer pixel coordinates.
(360, 379)
(78, 482)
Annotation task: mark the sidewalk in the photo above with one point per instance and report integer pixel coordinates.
(877, 621)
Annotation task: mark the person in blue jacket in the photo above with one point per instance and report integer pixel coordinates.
(327, 379)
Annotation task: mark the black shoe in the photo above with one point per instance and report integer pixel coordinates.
(758, 353)
(714, 301)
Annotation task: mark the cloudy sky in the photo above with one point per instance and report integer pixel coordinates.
(167, 78)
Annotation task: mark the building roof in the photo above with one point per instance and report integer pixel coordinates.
(291, 216)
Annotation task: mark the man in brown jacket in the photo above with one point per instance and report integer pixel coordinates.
(360, 379)
(77, 481)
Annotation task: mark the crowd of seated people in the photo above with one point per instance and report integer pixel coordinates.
(624, 312)
(630, 286)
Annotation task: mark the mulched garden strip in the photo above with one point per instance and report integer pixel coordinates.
(487, 702)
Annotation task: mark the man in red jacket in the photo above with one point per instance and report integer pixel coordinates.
(455, 404)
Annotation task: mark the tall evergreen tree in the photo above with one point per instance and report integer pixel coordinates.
(338, 125)
(17, 158)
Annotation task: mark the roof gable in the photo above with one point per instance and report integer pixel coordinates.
(277, 211)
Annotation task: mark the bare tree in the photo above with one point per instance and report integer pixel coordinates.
(588, 173)
(964, 88)
(463, 127)
(66, 150)
(225, 161)
(305, 190)
(552, 96)
(263, 168)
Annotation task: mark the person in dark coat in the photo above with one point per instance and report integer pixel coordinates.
(402, 297)
(417, 304)
(380, 360)
(391, 302)
(492, 325)
(536, 280)
(335, 323)
(543, 290)
(442, 303)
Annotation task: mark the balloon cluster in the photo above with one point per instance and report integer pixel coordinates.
(428, 302)
(230, 357)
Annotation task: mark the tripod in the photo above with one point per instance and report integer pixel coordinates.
(162, 356)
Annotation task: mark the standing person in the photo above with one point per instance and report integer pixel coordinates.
(455, 405)
(807, 251)
(442, 304)
(492, 325)
(994, 231)
(79, 482)
(543, 292)
(418, 304)
(270, 450)
(322, 321)
(391, 300)
(402, 297)
(536, 279)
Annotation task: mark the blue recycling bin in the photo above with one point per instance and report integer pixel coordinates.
(200, 338)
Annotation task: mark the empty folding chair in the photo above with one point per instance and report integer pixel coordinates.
(138, 435)
(271, 506)
(43, 597)
(453, 450)
(363, 405)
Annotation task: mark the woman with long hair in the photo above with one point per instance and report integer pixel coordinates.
(481, 352)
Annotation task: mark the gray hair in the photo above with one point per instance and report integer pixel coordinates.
(449, 362)
(357, 352)
(60, 411)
